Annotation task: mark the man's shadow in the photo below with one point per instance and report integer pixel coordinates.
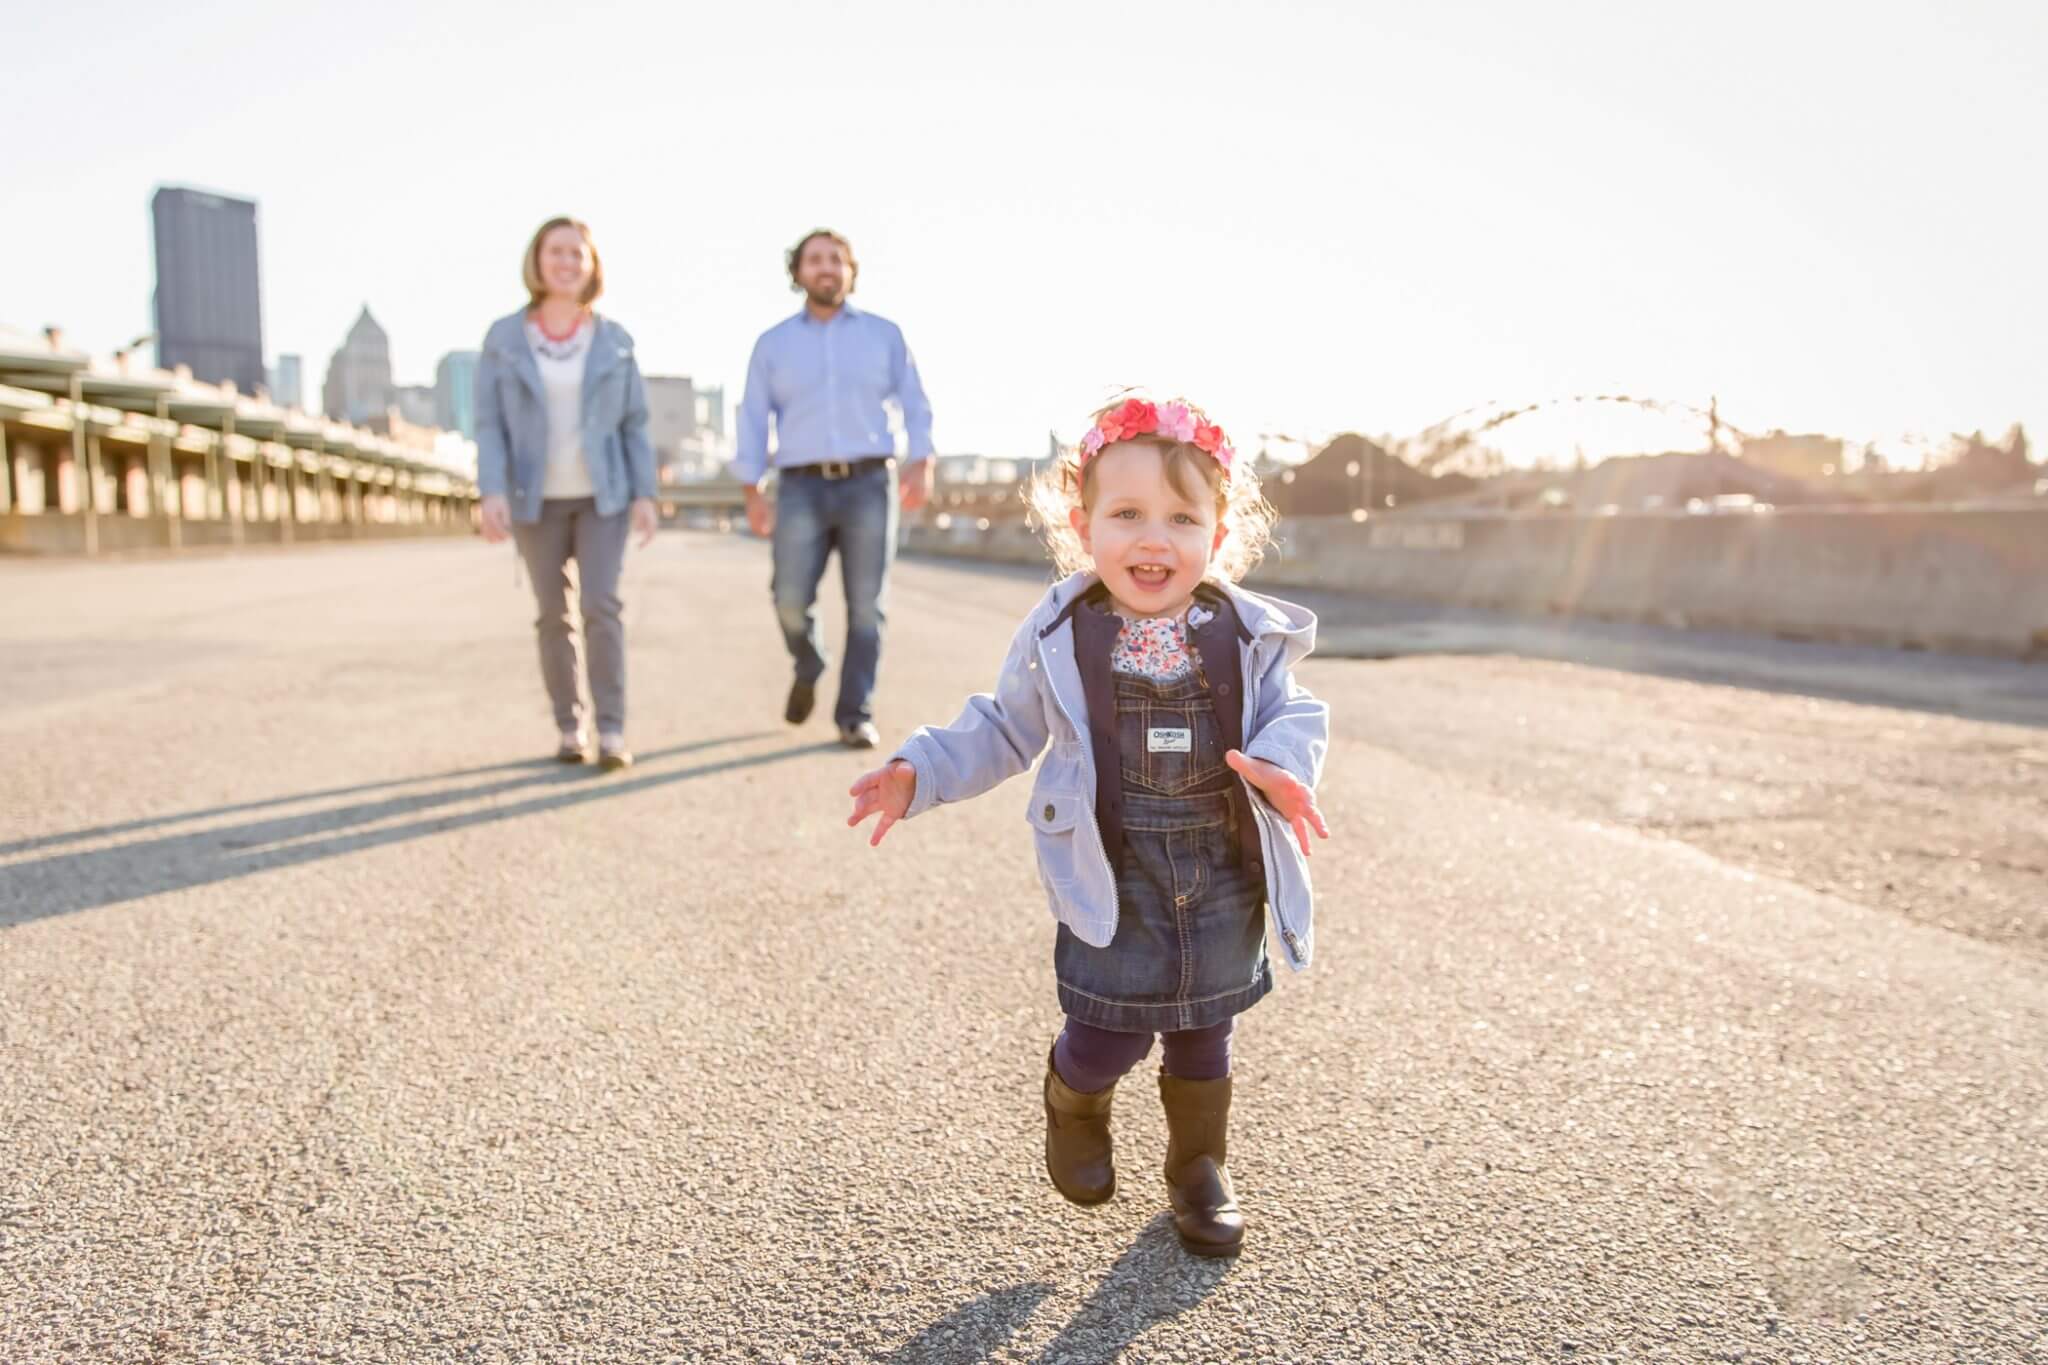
(64, 882)
(1153, 1281)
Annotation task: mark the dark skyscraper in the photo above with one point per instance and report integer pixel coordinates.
(209, 311)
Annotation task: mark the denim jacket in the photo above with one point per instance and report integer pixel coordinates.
(512, 420)
(1039, 701)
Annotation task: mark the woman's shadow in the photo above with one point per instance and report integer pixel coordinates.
(61, 880)
(1151, 1282)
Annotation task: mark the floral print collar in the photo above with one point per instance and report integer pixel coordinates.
(1156, 647)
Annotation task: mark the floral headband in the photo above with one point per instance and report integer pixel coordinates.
(1177, 421)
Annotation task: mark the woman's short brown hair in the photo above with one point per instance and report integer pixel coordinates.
(536, 288)
(796, 257)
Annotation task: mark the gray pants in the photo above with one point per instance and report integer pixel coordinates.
(570, 529)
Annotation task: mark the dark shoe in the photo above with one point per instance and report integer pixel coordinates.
(802, 697)
(1078, 1155)
(612, 753)
(861, 736)
(1197, 1131)
(571, 748)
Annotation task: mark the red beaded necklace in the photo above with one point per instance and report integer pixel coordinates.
(574, 327)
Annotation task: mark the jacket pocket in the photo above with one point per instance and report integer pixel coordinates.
(1054, 817)
(601, 457)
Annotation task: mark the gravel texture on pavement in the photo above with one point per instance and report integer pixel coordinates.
(1653, 1019)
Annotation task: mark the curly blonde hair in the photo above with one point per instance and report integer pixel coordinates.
(1241, 508)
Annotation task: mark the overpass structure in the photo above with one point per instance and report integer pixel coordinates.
(96, 454)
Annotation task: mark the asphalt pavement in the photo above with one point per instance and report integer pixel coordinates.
(1654, 1017)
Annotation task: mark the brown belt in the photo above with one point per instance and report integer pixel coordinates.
(837, 469)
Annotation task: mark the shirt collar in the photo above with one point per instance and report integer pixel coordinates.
(846, 310)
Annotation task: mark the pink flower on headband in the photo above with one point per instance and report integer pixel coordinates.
(1176, 422)
(1135, 418)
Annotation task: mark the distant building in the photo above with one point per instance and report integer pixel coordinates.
(1796, 457)
(671, 417)
(709, 449)
(711, 410)
(417, 404)
(209, 307)
(686, 424)
(359, 383)
(288, 382)
(455, 393)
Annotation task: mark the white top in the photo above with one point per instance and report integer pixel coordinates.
(561, 376)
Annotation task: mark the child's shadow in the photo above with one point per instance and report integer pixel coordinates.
(1153, 1281)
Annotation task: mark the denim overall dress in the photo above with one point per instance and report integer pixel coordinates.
(1190, 943)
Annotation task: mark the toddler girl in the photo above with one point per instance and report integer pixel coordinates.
(1173, 809)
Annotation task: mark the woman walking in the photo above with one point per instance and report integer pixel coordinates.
(565, 469)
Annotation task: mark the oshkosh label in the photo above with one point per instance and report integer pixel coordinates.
(1169, 741)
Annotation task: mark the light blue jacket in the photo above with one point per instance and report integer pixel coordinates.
(1038, 701)
(512, 420)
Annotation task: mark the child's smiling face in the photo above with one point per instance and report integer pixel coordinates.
(1150, 538)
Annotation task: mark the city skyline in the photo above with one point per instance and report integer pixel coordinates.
(1329, 220)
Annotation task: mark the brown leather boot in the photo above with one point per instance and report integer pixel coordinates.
(1078, 1155)
(1198, 1129)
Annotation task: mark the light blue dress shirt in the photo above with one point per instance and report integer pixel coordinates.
(824, 387)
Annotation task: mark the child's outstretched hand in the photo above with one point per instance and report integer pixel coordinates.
(887, 789)
(1288, 794)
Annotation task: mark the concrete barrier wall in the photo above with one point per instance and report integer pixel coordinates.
(1969, 580)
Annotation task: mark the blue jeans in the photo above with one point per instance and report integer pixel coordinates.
(857, 516)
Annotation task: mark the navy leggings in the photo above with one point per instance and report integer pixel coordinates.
(1090, 1058)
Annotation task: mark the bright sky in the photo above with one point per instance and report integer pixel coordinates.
(1310, 217)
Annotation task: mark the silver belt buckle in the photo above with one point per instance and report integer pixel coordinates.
(836, 469)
